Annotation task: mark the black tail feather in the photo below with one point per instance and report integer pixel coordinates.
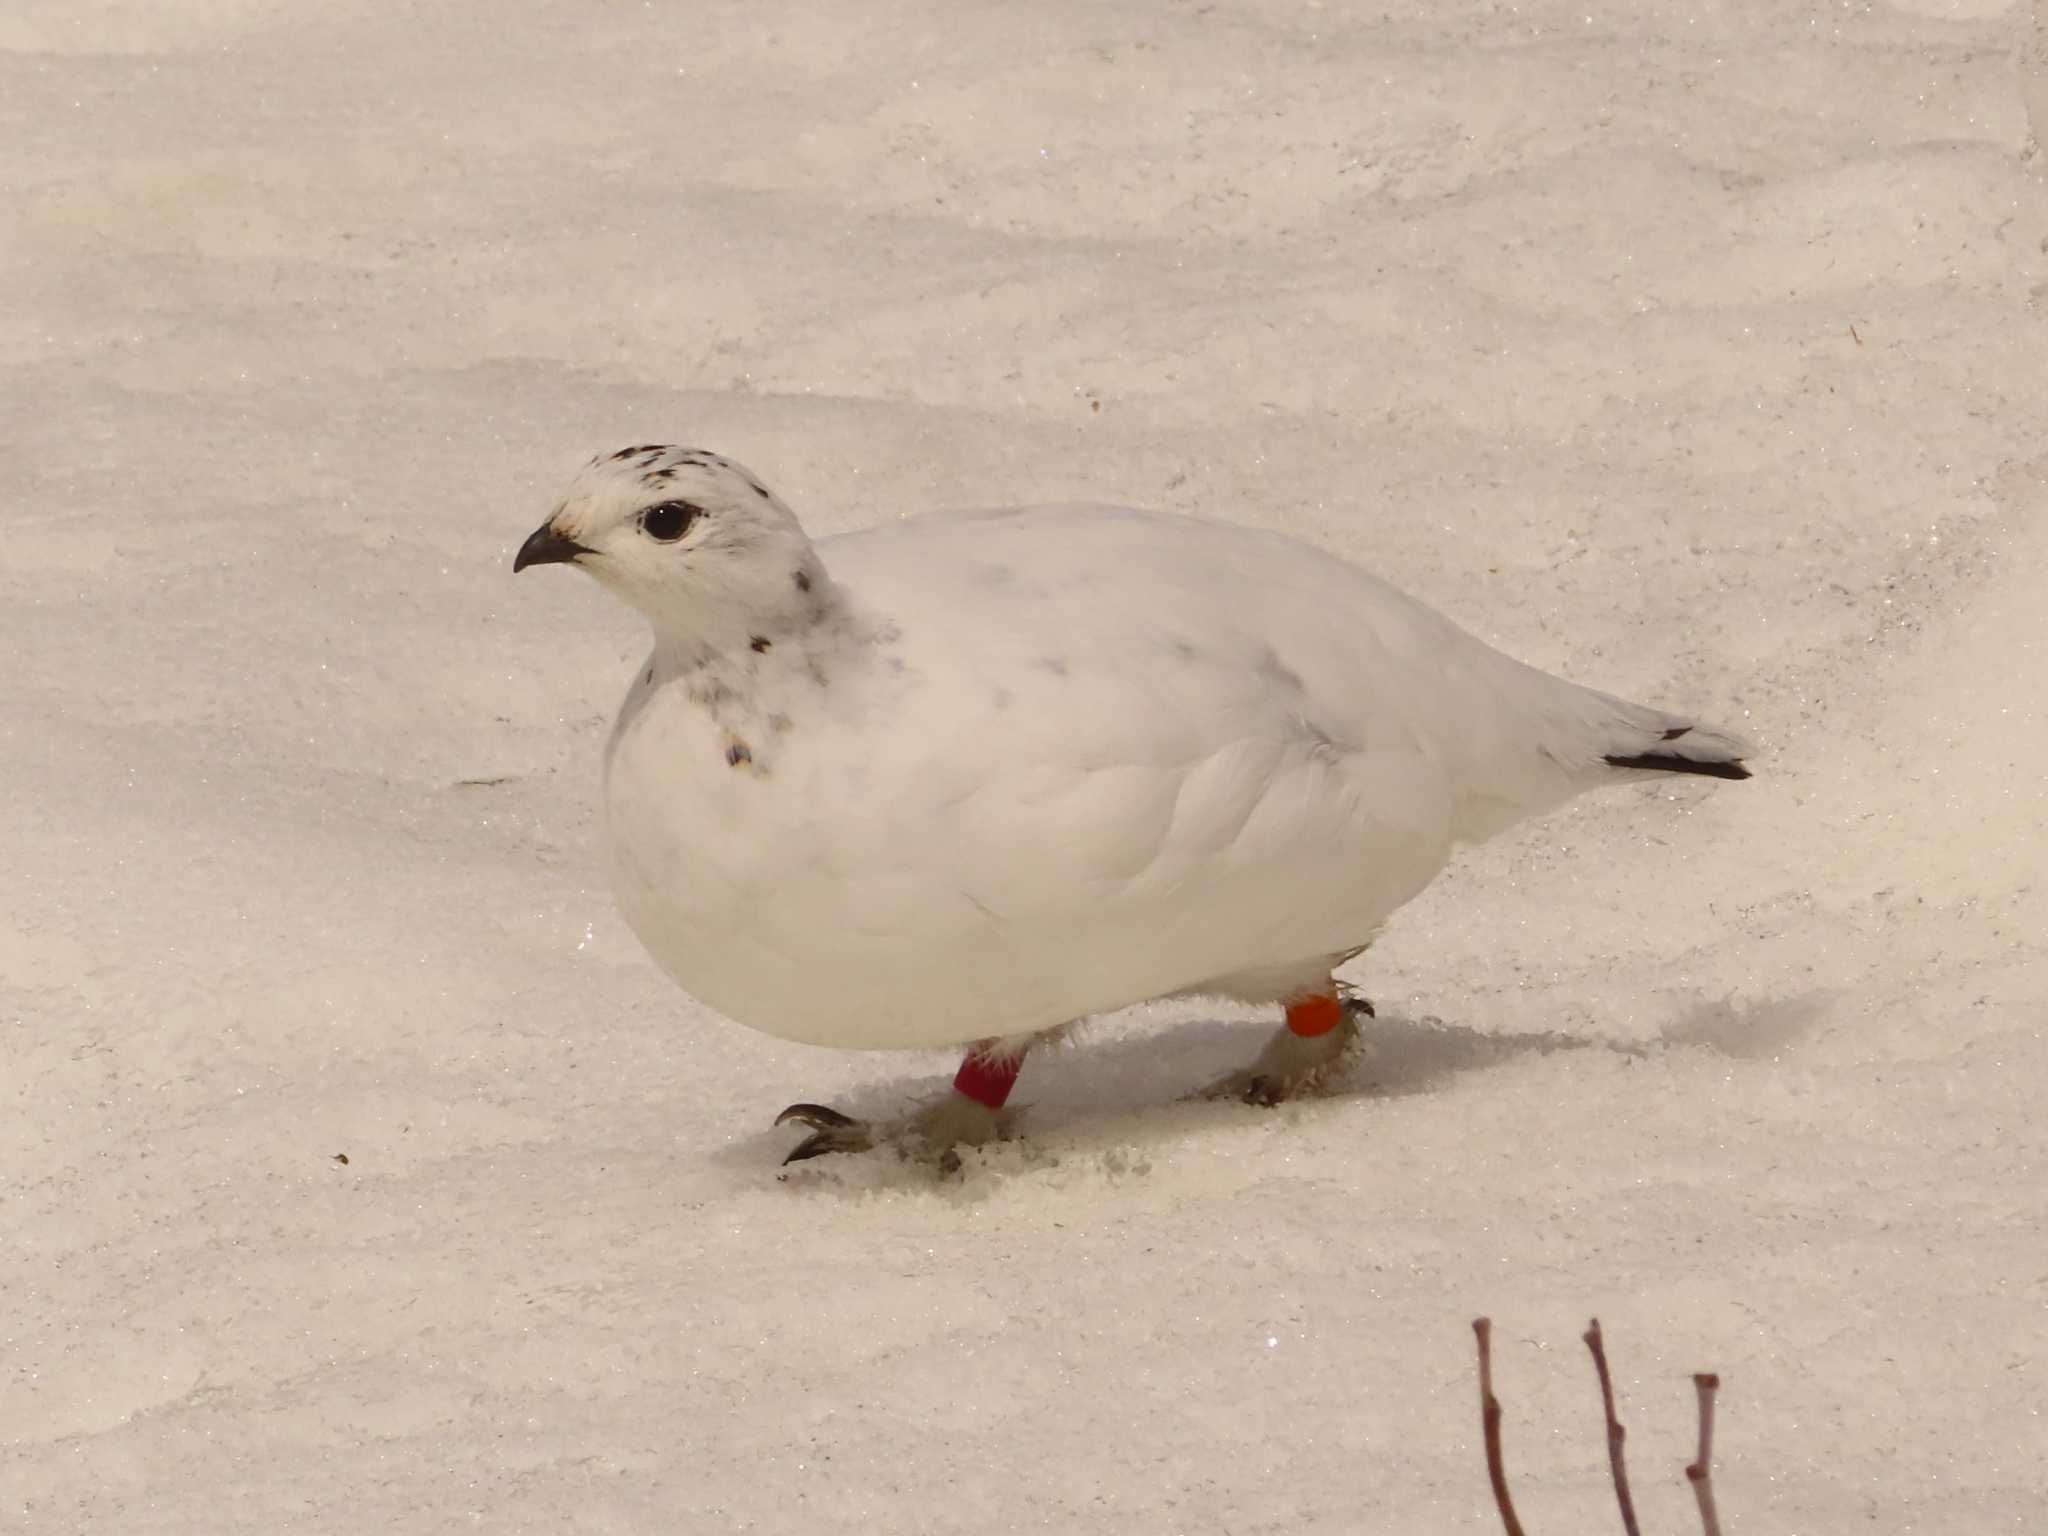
(1671, 762)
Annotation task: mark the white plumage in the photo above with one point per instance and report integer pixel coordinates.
(970, 777)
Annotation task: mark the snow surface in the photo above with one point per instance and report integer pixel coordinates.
(1692, 350)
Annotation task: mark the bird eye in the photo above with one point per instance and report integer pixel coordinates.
(666, 520)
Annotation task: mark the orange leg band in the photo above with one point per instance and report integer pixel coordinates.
(1312, 1016)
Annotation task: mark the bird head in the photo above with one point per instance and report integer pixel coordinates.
(692, 540)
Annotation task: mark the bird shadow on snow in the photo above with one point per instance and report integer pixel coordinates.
(1099, 1099)
(1751, 1031)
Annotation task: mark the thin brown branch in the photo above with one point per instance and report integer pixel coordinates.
(1615, 1433)
(1489, 1411)
(1701, 1473)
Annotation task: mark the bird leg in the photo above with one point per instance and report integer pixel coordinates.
(968, 1115)
(1321, 1026)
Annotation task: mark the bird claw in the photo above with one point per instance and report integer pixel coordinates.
(1262, 1089)
(819, 1117)
(1264, 1092)
(1292, 1064)
(831, 1131)
(818, 1143)
(932, 1135)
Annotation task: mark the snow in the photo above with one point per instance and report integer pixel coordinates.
(1692, 352)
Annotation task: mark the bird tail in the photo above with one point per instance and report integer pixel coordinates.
(1589, 734)
(1581, 739)
(1676, 745)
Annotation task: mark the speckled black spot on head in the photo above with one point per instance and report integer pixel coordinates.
(738, 754)
(652, 450)
(1676, 731)
(759, 643)
(760, 490)
(1056, 665)
(803, 581)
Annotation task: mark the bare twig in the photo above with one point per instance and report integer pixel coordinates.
(1615, 1433)
(1701, 1473)
(1489, 1410)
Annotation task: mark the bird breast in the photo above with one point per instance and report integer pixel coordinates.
(909, 853)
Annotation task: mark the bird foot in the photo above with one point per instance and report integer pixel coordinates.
(831, 1131)
(1291, 1064)
(933, 1134)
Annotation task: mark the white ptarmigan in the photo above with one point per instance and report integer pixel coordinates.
(967, 779)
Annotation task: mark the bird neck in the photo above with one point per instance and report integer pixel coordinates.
(735, 632)
(742, 647)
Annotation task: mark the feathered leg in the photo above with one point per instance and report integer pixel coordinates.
(968, 1115)
(1321, 1026)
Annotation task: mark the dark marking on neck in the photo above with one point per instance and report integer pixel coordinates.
(738, 754)
(759, 643)
(803, 581)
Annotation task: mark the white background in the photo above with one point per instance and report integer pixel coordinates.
(1690, 349)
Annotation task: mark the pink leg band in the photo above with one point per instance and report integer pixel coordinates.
(986, 1081)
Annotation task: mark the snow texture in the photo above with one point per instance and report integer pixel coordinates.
(1693, 352)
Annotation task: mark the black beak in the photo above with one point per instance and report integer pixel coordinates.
(546, 546)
